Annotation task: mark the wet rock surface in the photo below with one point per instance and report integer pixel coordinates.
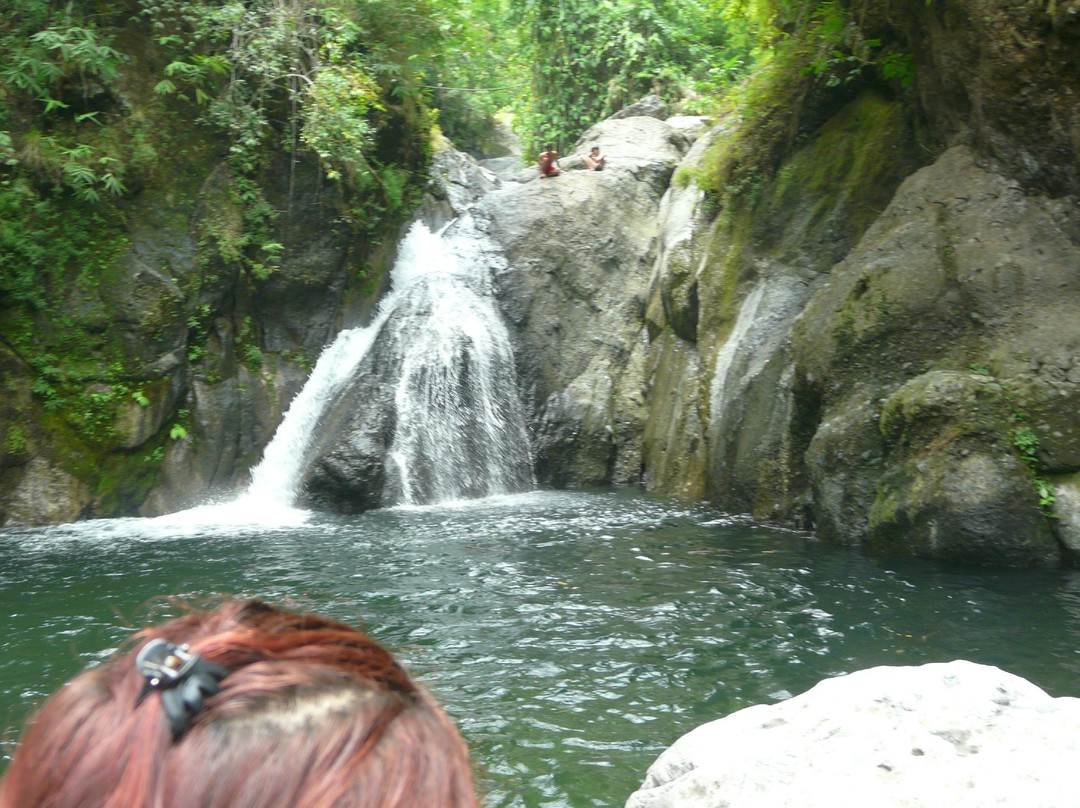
(578, 252)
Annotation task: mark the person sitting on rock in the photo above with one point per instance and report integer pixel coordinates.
(549, 163)
(594, 161)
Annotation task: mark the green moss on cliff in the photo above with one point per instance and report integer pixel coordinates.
(843, 174)
(138, 226)
(825, 195)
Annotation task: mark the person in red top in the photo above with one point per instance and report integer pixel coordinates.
(549, 162)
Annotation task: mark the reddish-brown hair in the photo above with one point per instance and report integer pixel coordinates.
(313, 714)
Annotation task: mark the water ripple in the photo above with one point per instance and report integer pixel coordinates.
(573, 636)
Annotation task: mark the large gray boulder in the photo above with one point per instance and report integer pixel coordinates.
(456, 180)
(651, 106)
(348, 473)
(951, 330)
(955, 734)
(578, 250)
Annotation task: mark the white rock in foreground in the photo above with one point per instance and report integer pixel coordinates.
(945, 735)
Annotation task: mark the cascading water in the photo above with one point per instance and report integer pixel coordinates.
(459, 430)
(277, 477)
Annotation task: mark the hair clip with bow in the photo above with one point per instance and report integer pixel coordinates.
(183, 678)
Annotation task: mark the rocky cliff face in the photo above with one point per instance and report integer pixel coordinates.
(880, 345)
(874, 335)
(945, 336)
(208, 355)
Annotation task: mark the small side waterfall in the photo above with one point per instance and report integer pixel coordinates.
(277, 477)
(458, 428)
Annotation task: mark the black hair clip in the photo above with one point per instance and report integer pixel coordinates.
(182, 676)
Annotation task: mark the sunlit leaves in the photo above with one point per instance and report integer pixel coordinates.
(338, 100)
(39, 64)
(79, 49)
(250, 61)
(477, 68)
(589, 59)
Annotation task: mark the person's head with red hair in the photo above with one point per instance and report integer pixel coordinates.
(310, 714)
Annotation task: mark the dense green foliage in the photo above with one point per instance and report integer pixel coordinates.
(55, 67)
(574, 62)
(308, 75)
(266, 74)
(474, 73)
(806, 59)
(102, 102)
(588, 59)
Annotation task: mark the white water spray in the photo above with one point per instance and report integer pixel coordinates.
(277, 477)
(459, 429)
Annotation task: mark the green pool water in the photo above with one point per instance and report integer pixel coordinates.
(572, 636)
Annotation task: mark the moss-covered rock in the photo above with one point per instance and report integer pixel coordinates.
(976, 508)
(952, 314)
(1048, 401)
(844, 459)
(953, 486)
(832, 187)
(945, 407)
(674, 439)
(685, 225)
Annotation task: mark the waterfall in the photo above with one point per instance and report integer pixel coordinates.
(277, 477)
(459, 432)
